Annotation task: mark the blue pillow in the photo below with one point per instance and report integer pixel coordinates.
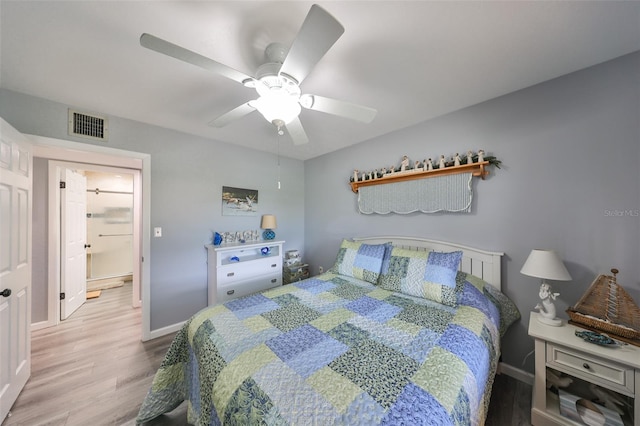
(430, 275)
(359, 260)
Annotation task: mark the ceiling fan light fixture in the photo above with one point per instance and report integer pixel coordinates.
(277, 105)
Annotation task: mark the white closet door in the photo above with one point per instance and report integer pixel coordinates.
(16, 182)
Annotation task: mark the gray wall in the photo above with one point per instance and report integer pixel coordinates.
(187, 175)
(570, 149)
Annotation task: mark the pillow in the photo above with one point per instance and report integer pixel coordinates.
(359, 260)
(430, 275)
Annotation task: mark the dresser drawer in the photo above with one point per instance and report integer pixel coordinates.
(235, 289)
(594, 369)
(241, 271)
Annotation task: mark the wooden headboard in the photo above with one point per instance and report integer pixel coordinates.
(481, 263)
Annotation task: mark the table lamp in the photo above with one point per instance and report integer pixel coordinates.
(546, 264)
(268, 223)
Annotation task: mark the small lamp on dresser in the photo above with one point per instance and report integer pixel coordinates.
(268, 223)
(546, 264)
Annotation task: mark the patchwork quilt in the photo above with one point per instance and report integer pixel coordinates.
(336, 350)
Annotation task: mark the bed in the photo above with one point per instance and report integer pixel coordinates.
(399, 331)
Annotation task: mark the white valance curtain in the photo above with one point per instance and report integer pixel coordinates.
(450, 193)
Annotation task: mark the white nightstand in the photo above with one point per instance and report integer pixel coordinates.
(614, 368)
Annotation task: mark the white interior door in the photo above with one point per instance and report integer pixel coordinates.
(15, 264)
(73, 232)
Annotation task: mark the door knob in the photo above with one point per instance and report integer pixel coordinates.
(6, 292)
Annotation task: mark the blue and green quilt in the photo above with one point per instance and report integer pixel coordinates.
(336, 350)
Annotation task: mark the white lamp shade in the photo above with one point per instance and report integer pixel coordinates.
(268, 222)
(545, 264)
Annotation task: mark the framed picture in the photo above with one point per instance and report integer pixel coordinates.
(239, 201)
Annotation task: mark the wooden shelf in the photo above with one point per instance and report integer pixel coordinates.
(476, 169)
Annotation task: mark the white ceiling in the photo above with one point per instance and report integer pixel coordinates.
(412, 61)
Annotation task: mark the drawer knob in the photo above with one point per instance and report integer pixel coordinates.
(230, 292)
(230, 274)
(274, 265)
(274, 280)
(585, 365)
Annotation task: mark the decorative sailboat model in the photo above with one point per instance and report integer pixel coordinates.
(607, 307)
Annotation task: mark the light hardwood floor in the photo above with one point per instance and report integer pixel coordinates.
(93, 369)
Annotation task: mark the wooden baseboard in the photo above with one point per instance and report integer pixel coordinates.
(41, 324)
(104, 284)
(159, 332)
(516, 373)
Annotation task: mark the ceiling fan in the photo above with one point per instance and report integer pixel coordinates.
(278, 80)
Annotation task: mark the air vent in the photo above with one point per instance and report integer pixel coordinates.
(88, 126)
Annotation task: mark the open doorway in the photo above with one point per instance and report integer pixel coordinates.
(111, 258)
(96, 229)
(57, 153)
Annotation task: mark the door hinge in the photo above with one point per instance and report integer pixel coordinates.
(62, 296)
(63, 185)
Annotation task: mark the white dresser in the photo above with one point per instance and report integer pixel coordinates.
(236, 269)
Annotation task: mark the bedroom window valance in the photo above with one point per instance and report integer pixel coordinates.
(448, 193)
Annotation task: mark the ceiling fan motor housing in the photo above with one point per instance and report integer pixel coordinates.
(276, 52)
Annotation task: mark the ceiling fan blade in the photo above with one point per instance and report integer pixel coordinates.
(318, 33)
(340, 108)
(296, 131)
(162, 46)
(234, 114)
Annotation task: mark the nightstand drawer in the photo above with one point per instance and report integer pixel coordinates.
(594, 369)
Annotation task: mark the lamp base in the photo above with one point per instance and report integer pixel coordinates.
(546, 307)
(268, 234)
(554, 322)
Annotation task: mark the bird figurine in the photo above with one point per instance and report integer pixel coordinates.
(429, 165)
(469, 157)
(404, 165)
